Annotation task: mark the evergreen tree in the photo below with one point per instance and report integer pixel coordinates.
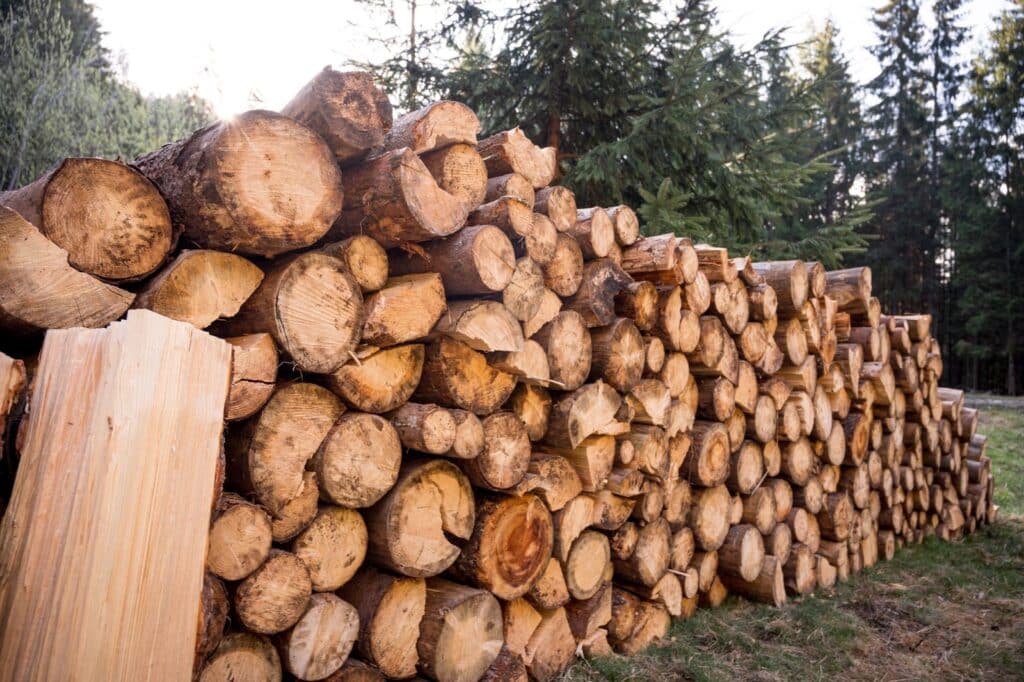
(898, 173)
(989, 277)
(61, 98)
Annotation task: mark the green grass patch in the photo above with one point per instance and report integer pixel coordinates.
(940, 610)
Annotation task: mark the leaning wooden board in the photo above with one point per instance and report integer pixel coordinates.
(102, 548)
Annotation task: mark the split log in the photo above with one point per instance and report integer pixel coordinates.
(346, 109)
(298, 513)
(253, 375)
(552, 479)
(267, 454)
(236, 186)
(550, 591)
(405, 309)
(275, 595)
(333, 547)
(485, 326)
(390, 610)
(460, 634)
(512, 152)
(317, 646)
(551, 648)
(638, 301)
(41, 289)
(409, 526)
(595, 297)
(532, 404)
(108, 217)
(581, 414)
(455, 375)
(381, 381)
(312, 307)
(394, 199)
(476, 261)
(549, 307)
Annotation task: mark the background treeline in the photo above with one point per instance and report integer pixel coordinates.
(772, 149)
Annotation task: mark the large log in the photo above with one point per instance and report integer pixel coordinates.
(267, 454)
(108, 217)
(394, 199)
(39, 289)
(312, 307)
(259, 183)
(510, 545)
(91, 382)
(346, 109)
(408, 528)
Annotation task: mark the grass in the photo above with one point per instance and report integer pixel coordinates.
(936, 611)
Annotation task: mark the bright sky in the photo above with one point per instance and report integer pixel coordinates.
(257, 53)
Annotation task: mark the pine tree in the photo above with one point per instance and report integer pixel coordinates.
(989, 277)
(899, 168)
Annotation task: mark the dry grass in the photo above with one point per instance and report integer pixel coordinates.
(937, 611)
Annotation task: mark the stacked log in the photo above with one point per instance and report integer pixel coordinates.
(512, 429)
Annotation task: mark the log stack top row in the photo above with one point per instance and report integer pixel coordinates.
(474, 429)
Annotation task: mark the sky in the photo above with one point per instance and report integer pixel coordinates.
(245, 54)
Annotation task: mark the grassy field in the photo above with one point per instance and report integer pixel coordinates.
(937, 611)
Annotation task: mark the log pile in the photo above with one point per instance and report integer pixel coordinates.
(506, 430)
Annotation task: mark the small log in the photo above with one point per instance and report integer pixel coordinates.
(436, 126)
(742, 554)
(564, 273)
(532, 404)
(333, 547)
(404, 310)
(240, 538)
(512, 185)
(476, 261)
(213, 617)
(485, 326)
(274, 596)
(298, 513)
(627, 227)
(568, 345)
(512, 152)
(551, 647)
(365, 259)
(552, 479)
(768, 587)
(584, 567)
(709, 516)
(550, 591)
(524, 296)
(559, 205)
(424, 427)
(595, 298)
(506, 454)
(594, 231)
(242, 656)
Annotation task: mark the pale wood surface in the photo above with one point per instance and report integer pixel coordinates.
(104, 541)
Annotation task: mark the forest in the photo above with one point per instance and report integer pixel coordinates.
(773, 149)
